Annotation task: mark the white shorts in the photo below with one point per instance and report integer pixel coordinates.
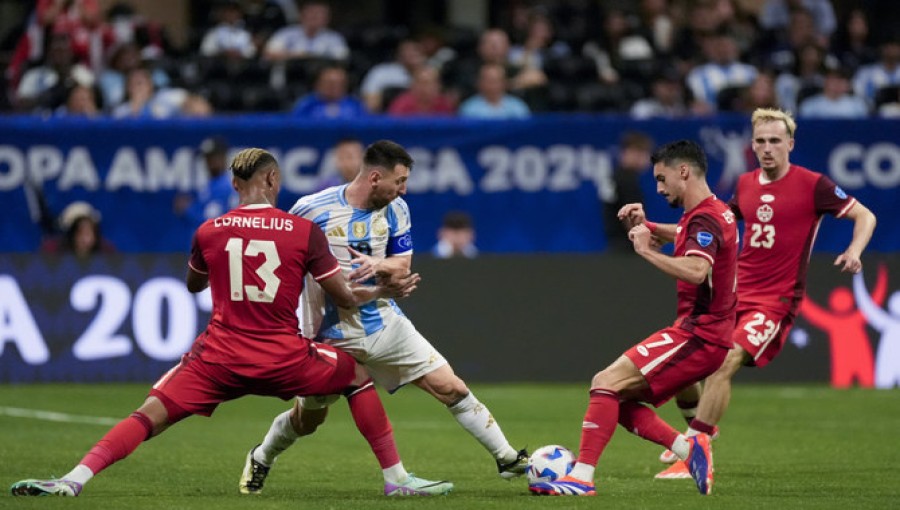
(394, 356)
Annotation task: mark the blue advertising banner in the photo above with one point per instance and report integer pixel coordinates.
(530, 186)
(131, 317)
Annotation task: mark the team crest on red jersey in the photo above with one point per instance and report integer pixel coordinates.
(765, 213)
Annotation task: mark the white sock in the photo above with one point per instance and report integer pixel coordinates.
(80, 474)
(583, 472)
(395, 474)
(477, 419)
(278, 439)
(681, 446)
(691, 432)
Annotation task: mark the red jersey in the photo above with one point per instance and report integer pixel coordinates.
(256, 257)
(709, 230)
(781, 220)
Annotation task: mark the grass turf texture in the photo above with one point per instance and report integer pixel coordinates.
(781, 447)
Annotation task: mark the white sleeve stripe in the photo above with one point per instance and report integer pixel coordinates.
(328, 274)
(846, 208)
(707, 256)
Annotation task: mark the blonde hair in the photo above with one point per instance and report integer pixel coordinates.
(248, 161)
(761, 115)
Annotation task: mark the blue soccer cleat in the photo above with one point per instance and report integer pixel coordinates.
(565, 486)
(700, 463)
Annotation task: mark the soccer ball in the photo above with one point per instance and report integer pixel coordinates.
(549, 463)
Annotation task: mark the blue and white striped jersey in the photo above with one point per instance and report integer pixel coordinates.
(380, 233)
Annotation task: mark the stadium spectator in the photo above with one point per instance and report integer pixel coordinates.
(80, 102)
(437, 53)
(386, 77)
(456, 237)
(262, 18)
(346, 158)
(143, 100)
(251, 345)
(656, 19)
(229, 38)
(81, 235)
(329, 98)
(806, 78)
(492, 100)
(493, 48)
(217, 196)
(311, 37)
(424, 97)
(852, 44)
(48, 18)
(704, 265)
(890, 105)
(886, 72)
(92, 37)
(619, 43)
(123, 59)
(780, 50)
(759, 94)
(777, 240)
(836, 101)
(132, 27)
(45, 87)
(539, 45)
(776, 15)
(702, 20)
(195, 106)
(666, 98)
(722, 69)
(632, 160)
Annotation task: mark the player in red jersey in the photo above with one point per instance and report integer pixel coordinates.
(254, 259)
(703, 263)
(782, 206)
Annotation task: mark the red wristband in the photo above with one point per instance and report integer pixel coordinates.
(650, 226)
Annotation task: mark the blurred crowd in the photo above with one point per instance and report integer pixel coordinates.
(647, 58)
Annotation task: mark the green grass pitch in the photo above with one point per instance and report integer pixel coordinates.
(781, 447)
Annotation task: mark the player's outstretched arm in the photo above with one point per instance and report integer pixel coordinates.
(690, 269)
(864, 224)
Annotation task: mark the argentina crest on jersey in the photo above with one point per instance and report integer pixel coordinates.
(704, 239)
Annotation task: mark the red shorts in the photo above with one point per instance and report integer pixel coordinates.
(761, 331)
(195, 386)
(672, 359)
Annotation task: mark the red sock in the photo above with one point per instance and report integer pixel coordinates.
(641, 421)
(119, 442)
(598, 425)
(704, 427)
(373, 423)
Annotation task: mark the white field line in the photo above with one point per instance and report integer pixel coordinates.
(37, 414)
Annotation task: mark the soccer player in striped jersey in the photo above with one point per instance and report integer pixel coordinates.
(254, 259)
(704, 265)
(782, 205)
(368, 227)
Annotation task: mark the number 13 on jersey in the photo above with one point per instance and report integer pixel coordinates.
(266, 270)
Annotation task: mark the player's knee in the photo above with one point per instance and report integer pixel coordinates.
(360, 376)
(307, 421)
(602, 379)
